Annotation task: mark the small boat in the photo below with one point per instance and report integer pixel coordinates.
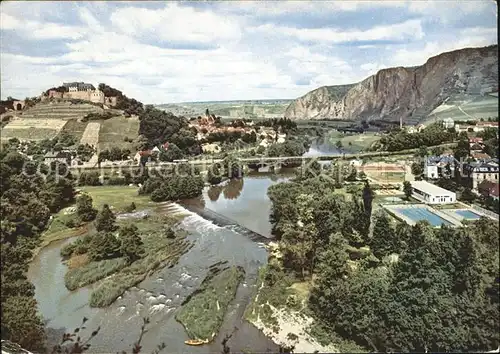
(196, 341)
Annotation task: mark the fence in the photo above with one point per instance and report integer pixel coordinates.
(486, 212)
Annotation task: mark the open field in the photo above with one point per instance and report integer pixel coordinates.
(32, 129)
(117, 197)
(114, 131)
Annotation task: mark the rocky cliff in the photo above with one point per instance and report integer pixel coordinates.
(410, 93)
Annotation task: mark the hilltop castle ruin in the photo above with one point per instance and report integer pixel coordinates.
(81, 91)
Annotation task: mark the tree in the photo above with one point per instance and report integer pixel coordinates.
(84, 209)
(382, 242)
(422, 152)
(467, 195)
(21, 323)
(132, 247)
(214, 174)
(368, 196)
(232, 167)
(352, 176)
(105, 220)
(338, 144)
(417, 169)
(407, 190)
(172, 153)
(104, 246)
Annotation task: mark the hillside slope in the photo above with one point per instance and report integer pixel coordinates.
(410, 93)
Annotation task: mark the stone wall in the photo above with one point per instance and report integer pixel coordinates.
(95, 96)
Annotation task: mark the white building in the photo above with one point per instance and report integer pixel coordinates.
(431, 194)
(448, 123)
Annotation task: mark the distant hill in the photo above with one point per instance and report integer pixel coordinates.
(234, 109)
(410, 93)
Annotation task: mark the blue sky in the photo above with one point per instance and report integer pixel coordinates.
(160, 52)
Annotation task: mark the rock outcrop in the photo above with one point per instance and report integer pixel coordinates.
(408, 93)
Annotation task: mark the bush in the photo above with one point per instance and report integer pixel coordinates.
(71, 223)
(130, 208)
(67, 250)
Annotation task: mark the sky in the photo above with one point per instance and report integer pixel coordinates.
(166, 52)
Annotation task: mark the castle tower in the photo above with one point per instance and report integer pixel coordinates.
(401, 123)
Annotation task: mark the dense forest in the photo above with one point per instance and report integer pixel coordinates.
(394, 288)
(26, 205)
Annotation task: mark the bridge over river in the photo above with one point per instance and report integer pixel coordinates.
(254, 162)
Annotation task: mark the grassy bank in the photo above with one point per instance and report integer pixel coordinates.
(203, 312)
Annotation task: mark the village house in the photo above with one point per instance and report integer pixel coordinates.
(488, 189)
(211, 148)
(477, 172)
(448, 123)
(476, 144)
(434, 165)
(415, 129)
(478, 127)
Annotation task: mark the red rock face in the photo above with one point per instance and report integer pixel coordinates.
(410, 93)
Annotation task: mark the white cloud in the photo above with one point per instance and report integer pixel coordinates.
(474, 37)
(131, 47)
(411, 29)
(176, 23)
(276, 8)
(39, 30)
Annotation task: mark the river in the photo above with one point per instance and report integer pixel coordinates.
(224, 223)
